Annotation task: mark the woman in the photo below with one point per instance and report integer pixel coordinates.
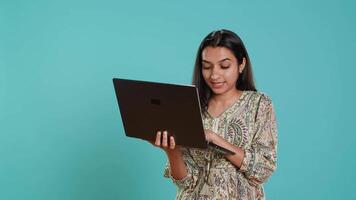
(236, 117)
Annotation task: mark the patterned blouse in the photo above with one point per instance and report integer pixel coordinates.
(249, 124)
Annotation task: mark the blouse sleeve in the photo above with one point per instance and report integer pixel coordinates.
(261, 157)
(189, 181)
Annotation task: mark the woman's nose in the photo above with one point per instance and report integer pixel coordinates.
(214, 74)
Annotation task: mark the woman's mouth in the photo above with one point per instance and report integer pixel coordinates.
(217, 84)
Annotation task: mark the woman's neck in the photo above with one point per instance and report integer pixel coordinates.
(226, 98)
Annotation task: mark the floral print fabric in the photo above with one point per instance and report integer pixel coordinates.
(249, 124)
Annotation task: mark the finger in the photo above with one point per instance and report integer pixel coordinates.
(158, 138)
(206, 135)
(172, 143)
(164, 140)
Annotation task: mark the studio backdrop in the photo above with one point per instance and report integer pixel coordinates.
(61, 134)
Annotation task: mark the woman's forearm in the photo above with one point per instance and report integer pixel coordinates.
(174, 154)
(176, 163)
(239, 153)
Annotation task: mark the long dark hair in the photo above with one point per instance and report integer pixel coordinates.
(230, 40)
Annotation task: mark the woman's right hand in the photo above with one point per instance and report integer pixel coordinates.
(165, 142)
(173, 152)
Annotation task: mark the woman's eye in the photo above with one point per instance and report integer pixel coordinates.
(225, 66)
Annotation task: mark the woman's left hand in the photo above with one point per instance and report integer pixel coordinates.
(210, 135)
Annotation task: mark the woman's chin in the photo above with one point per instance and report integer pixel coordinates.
(218, 91)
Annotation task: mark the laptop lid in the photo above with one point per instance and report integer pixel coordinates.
(147, 107)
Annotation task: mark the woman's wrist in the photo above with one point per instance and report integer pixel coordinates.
(173, 152)
(216, 139)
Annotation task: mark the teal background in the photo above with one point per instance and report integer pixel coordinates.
(61, 135)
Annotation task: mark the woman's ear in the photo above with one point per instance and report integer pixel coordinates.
(242, 65)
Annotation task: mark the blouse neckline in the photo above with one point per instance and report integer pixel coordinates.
(228, 108)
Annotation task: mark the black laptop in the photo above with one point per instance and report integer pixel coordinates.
(148, 107)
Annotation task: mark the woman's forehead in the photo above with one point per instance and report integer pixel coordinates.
(216, 54)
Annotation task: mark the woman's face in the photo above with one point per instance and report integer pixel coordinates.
(220, 69)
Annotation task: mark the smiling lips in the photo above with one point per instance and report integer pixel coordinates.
(217, 84)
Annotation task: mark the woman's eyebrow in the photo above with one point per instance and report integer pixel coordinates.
(218, 61)
(225, 59)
